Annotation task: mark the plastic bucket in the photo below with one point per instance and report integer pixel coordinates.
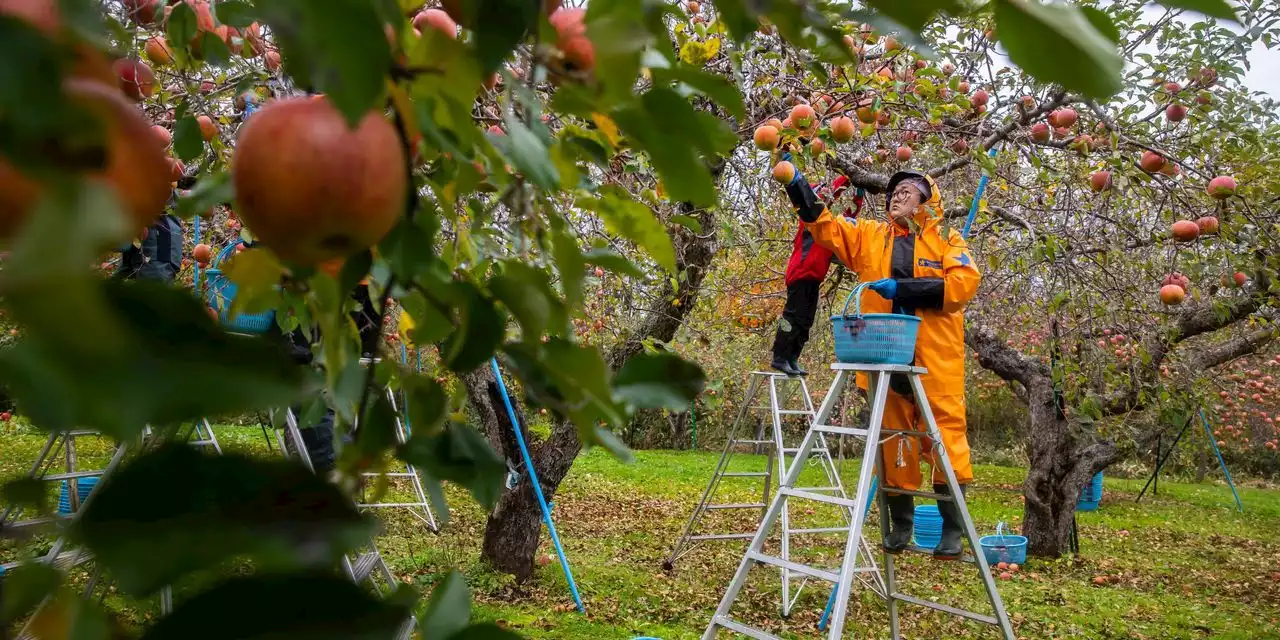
(927, 530)
(873, 338)
(83, 487)
(1091, 494)
(220, 292)
(1003, 548)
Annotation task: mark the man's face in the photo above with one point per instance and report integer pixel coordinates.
(904, 202)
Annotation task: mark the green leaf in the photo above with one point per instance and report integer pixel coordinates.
(1039, 37)
(623, 216)
(916, 14)
(1102, 22)
(25, 586)
(528, 154)
(26, 493)
(1211, 8)
(659, 381)
(337, 46)
(208, 192)
(317, 606)
(689, 222)
(236, 13)
(30, 93)
(570, 265)
(617, 30)
(499, 25)
(673, 133)
(257, 274)
(714, 86)
(458, 453)
(203, 509)
(526, 291)
(187, 367)
(188, 142)
(180, 26)
(214, 50)
(425, 404)
(611, 260)
(477, 334)
(570, 377)
(449, 610)
(430, 325)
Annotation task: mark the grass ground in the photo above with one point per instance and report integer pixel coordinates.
(1183, 564)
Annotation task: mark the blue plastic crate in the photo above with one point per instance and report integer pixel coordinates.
(873, 338)
(1091, 494)
(83, 487)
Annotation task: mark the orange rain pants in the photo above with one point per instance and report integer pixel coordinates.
(902, 452)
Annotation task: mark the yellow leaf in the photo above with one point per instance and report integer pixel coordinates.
(406, 328)
(607, 127)
(712, 47)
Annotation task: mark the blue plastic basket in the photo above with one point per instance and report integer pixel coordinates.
(1003, 548)
(927, 530)
(1091, 494)
(220, 291)
(83, 487)
(873, 338)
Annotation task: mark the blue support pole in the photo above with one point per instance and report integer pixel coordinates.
(977, 197)
(537, 488)
(196, 280)
(1223, 463)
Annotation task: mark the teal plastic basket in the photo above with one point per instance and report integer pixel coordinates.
(1003, 548)
(1091, 494)
(873, 338)
(220, 291)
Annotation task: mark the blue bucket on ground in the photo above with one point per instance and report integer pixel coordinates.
(1003, 548)
(1091, 494)
(220, 291)
(83, 487)
(927, 530)
(873, 338)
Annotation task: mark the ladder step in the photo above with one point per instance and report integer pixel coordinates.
(747, 505)
(818, 497)
(201, 443)
(978, 617)
(724, 536)
(745, 474)
(738, 627)
(812, 452)
(389, 474)
(73, 474)
(741, 441)
(794, 412)
(363, 567)
(83, 432)
(814, 572)
(840, 431)
(822, 530)
(941, 497)
(929, 552)
(819, 489)
(375, 505)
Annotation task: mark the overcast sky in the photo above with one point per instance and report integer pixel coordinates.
(1265, 72)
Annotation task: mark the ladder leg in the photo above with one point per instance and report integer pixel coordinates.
(941, 456)
(835, 628)
(12, 511)
(757, 542)
(890, 575)
(684, 543)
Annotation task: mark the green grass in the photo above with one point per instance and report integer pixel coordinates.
(1183, 564)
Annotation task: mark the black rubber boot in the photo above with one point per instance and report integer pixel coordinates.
(796, 366)
(902, 515)
(952, 543)
(780, 364)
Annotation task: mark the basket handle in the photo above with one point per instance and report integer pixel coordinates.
(225, 253)
(1000, 530)
(856, 293)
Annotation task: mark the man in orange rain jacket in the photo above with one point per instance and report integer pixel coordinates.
(914, 269)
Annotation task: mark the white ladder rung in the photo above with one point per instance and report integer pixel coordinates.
(822, 530)
(739, 505)
(69, 476)
(821, 574)
(820, 489)
(738, 627)
(815, 451)
(374, 505)
(818, 497)
(744, 474)
(363, 567)
(947, 609)
(743, 441)
(388, 474)
(794, 412)
(840, 431)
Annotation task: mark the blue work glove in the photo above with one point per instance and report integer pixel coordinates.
(887, 288)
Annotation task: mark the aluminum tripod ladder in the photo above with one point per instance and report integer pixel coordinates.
(787, 460)
(872, 463)
(367, 567)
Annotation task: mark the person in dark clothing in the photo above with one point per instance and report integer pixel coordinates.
(159, 257)
(806, 270)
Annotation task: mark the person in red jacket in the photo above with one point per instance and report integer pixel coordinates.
(806, 270)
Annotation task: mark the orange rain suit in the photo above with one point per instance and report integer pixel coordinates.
(867, 246)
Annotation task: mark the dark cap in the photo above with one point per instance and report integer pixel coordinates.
(917, 179)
